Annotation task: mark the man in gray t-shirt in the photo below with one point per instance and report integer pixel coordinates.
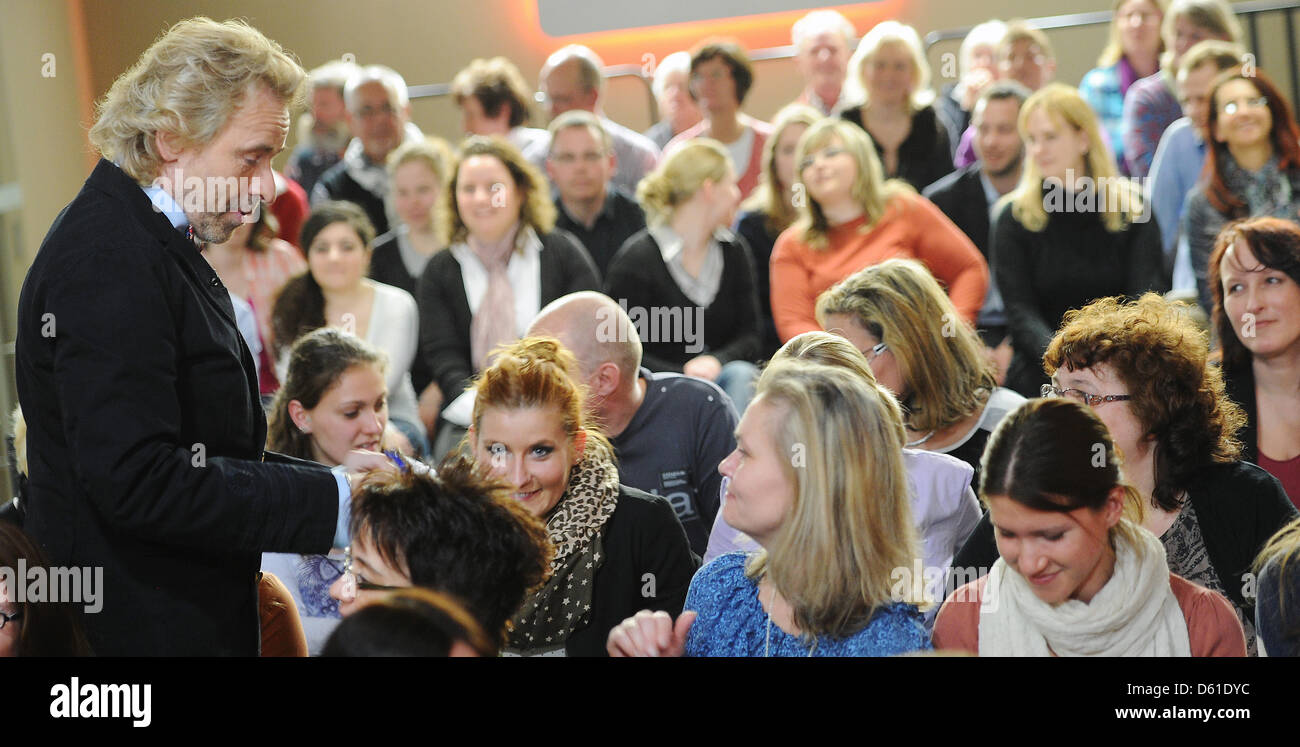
(670, 431)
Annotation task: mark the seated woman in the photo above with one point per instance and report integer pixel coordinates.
(1252, 167)
(417, 172)
(334, 400)
(1142, 366)
(770, 209)
(1070, 232)
(892, 76)
(1075, 577)
(617, 549)
(944, 508)
(34, 627)
(687, 261)
(852, 218)
(1132, 52)
(505, 262)
(1254, 279)
(335, 292)
(919, 349)
(1277, 607)
(834, 522)
(1151, 104)
(254, 265)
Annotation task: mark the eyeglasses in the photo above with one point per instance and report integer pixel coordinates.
(5, 617)
(1078, 395)
(366, 112)
(1232, 107)
(352, 583)
(876, 350)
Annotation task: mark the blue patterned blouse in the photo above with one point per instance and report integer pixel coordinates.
(732, 622)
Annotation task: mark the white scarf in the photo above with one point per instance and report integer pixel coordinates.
(1134, 614)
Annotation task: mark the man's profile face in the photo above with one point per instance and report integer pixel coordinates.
(564, 90)
(219, 185)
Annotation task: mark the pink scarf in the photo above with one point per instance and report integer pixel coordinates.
(495, 321)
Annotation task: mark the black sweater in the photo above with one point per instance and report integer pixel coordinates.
(924, 156)
(638, 276)
(1238, 506)
(648, 566)
(444, 309)
(1074, 260)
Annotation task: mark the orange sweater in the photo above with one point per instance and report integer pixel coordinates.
(1212, 626)
(912, 228)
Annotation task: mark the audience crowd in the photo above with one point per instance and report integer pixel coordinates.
(823, 386)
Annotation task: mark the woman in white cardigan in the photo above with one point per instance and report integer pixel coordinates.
(335, 292)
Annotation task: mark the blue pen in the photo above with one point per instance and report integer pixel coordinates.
(397, 459)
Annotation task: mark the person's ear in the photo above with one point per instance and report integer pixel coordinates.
(299, 415)
(579, 443)
(1113, 509)
(170, 145)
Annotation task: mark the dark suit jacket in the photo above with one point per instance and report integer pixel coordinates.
(444, 309)
(145, 434)
(961, 197)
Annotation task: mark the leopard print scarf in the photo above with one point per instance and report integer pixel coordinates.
(576, 528)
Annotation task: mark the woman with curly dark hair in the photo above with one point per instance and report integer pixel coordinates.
(1142, 367)
(1254, 279)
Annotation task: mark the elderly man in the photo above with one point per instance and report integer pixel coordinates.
(672, 91)
(580, 164)
(670, 431)
(823, 40)
(571, 79)
(379, 112)
(323, 132)
(145, 431)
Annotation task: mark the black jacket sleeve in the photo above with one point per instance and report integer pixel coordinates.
(739, 268)
(444, 325)
(1012, 252)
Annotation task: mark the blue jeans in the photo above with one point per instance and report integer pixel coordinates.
(737, 380)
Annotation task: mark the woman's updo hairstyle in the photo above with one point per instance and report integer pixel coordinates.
(680, 176)
(534, 372)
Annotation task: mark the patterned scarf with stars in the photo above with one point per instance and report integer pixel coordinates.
(576, 528)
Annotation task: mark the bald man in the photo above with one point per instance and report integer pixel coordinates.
(670, 431)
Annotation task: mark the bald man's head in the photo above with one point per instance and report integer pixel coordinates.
(595, 328)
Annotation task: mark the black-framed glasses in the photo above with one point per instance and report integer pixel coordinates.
(5, 617)
(352, 583)
(1078, 395)
(876, 350)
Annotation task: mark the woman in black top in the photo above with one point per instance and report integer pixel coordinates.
(417, 175)
(1254, 279)
(687, 282)
(893, 76)
(617, 549)
(1071, 232)
(505, 263)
